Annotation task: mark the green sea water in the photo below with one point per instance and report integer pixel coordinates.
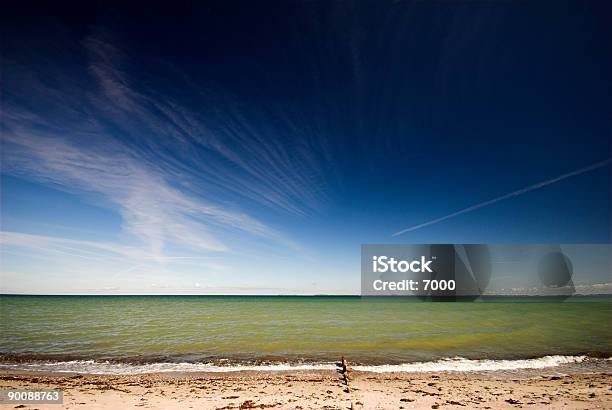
(247, 329)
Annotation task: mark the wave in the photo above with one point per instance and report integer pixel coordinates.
(104, 367)
(456, 364)
(460, 364)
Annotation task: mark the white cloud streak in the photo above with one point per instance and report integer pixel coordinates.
(106, 257)
(152, 210)
(173, 180)
(507, 196)
(225, 141)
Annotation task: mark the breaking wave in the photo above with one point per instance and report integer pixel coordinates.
(459, 364)
(456, 364)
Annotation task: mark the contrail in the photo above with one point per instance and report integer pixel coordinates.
(510, 195)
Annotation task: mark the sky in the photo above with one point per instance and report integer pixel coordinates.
(251, 148)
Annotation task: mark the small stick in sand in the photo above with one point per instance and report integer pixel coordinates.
(344, 375)
(344, 371)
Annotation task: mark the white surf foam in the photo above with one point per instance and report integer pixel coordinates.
(457, 364)
(96, 367)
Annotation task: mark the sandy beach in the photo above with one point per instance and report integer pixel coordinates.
(319, 390)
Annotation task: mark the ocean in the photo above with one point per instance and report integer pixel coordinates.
(119, 334)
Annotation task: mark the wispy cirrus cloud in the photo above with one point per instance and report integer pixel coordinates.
(152, 210)
(93, 250)
(74, 266)
(246, 152)
(176, 177)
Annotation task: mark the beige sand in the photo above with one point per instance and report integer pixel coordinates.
(319, 390)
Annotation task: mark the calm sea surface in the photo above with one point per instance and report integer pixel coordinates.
(311, 329)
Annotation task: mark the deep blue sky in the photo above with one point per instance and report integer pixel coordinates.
(242, 147)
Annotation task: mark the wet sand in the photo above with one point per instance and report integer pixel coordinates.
(319, 390)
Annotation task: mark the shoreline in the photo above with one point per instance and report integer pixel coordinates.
(318, 389)
(567, 364)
